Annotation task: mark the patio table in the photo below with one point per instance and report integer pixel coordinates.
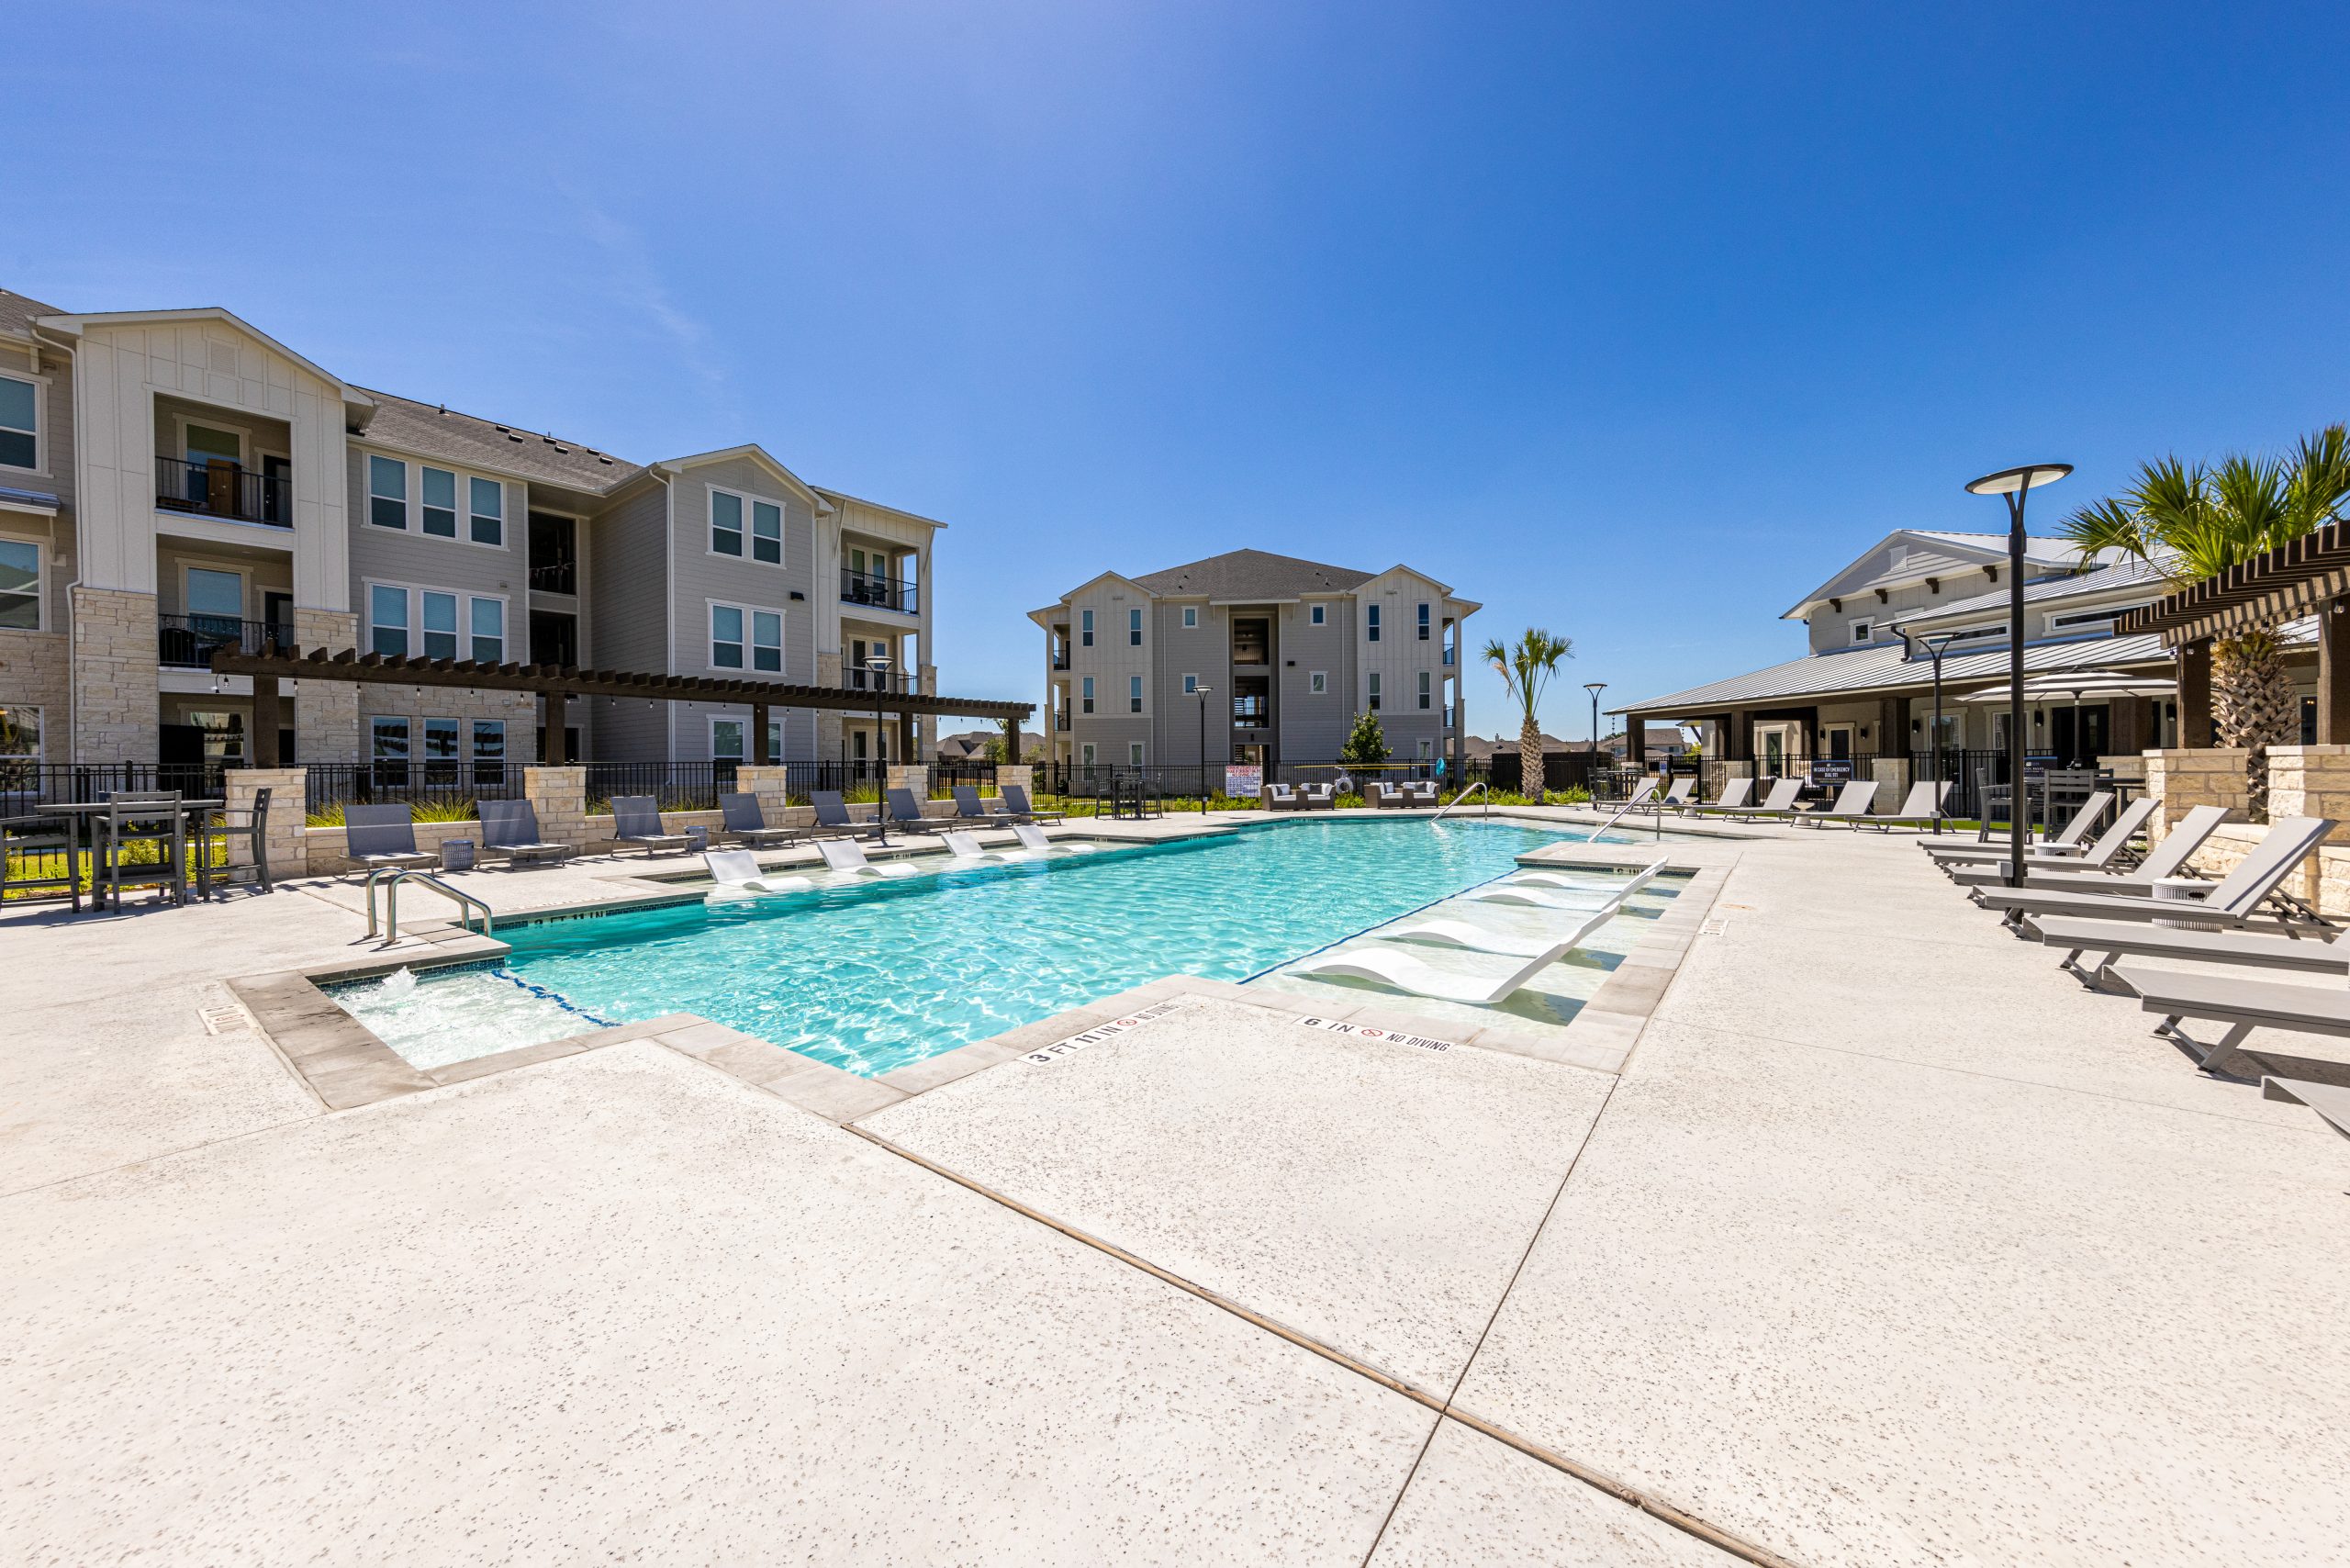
(81, 819)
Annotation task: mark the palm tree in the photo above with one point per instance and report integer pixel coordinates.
(2196, 522)
(1526, 670)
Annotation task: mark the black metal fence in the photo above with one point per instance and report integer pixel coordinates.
(449, 784)
(223, 489)
(188, 641)
(25, 784)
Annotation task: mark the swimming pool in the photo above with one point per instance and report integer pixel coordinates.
(875, 976)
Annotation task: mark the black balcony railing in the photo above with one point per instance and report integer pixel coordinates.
(555, 577)
(862, 680)
(1061, 720)
(188, 641)
(884, 593)
(218, 488)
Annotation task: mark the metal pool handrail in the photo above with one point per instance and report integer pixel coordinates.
(392, 877)
(1474, 789)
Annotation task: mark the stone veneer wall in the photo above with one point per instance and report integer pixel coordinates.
(115, 693)
(1892, 774)
(288, 852)
(326, 713)
(37, 671)
(2185, 779)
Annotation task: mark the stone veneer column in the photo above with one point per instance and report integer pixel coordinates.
(1019, 773)
(1892, 774)
(117, 702)
(288, 809)
(914, 776)
(326, 713)
(558, 798)
(770, 785)
(2314, 781)
(2185, 779)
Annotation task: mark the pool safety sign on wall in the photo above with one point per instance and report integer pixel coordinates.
(1046, 1055)
(1393, 1036)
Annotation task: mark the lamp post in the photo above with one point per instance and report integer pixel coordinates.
(1203, 691)
(1935, 647)
(880, 665)
(2014, 485)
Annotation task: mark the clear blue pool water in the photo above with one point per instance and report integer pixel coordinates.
(878, 976)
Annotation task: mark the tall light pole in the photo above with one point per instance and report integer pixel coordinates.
(2014, 484)
(1203, 691)
(880, 665)
(1937, 646)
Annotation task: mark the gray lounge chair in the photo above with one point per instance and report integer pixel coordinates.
(1853, 803)
(1016, 796)
(833, 820)
(2109, 939)
(903, 811)
(2167, 858)
(2066, 839)
(511, 829)
(636, 819)
(382, 837)
(1922, 807)
(2047, 860)
(2232, 903)
(2241, 1003)
(1734, 796)
(1677, 797)
(1779, 803)
(969, 808)
(2330, 1101)
(747, 823)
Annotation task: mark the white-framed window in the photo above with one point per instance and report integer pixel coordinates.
(1424, 624)
(388, 492)
(19, 737)
(1134, 753)
(1428, 748)
(441, 751)
(1375, 692)
(2090, 620)
(1370, 621)
(437, 489)
(1190, 686)
(1085, 754)
(387, 748)
(1085, 628)
(19, 422)
(490, 751)
(1317, 614)
(20, 584)
(1191, 617)
(1318, 682)
(488, 617)
(387, 620)
(486, 512)
(725, 524)
(1860, 629)
(1134, 694)
(1424, 688)
(743, 636)
(1089, 694)
(439, 621)
(1134, 628)
(726, 740)
(766, 532)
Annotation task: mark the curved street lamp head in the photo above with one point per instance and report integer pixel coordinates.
(2008, 481)
(1595, 687)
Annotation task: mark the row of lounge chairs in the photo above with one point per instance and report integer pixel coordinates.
(738, 872)
(2077, 895)
(1854, 805)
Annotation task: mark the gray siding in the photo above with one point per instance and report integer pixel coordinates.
(56, 478)
(1314, 728)
(421, 560)
(1205, 651)
(697, 576)
(625, 621)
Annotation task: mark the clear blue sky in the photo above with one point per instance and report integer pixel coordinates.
(1632, 322)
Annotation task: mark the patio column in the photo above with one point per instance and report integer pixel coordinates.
(1893, 726)
(760, 755)
(551, 714)
(1012, 740)
(1636, 743)
(1741, 735)
(2334, 672)
(2194, 696)
(266, 718)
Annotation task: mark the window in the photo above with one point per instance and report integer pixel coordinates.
(1134, 694)
(490, 751)
(1089, 694)
(1424, 627)
(1427, 749)
(440, 750)
(725, 636)
(766, 532)
(439, 493)
(1370, 620)
(1424, 688)
(387, 620)
(1374, 694)
(19, 585)
(725, 524)
(726, 740)
(2086, 620)
(1134, 628)
(387, 750)
(1318, 615)
(1318, 682)
(1859, 633)
(1085, 623)
(488, 515)
(20, 423)
(388, 492)
(1191, 617)
(775, 740)
(728, 622)
(1134, 753)
(1190, 686)
(767, 640)
(19, 741)
(440, 623)
(490, 631)
(1085, 754)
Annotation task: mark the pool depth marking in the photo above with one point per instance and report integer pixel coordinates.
(1393, 1036)
(1044, 1056)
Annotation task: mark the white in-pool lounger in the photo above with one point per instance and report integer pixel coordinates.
(1540, 878)
(845, 859)
(963, 846)
(1033, 837)
(737, 871)
(1402, 972)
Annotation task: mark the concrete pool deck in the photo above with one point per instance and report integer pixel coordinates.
(1886, 1244)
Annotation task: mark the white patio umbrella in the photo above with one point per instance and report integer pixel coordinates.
(2071, 686)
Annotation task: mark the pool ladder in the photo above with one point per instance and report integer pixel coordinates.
(391, 877)
(1476, 789)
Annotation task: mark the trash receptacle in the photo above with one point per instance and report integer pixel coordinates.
(456, 855)
(697, 838)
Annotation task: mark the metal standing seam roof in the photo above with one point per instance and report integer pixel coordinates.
(2122, 575)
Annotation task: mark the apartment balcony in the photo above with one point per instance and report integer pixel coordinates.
(1061, 720)
(224, 489)
(1251, 712)
(188, 641)
(879, 593)
(899, 681)
(554, 577)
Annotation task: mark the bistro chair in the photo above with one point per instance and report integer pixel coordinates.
(141, 816)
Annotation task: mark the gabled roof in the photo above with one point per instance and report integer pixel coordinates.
(2122, 576)
(430, 430)
(1922, 552)
(17, 313)
(837, 497)
(760, 455)
(1252, 575)
(75, 325)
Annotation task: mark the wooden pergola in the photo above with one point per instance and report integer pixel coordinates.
(555, 684)
(2309, 577)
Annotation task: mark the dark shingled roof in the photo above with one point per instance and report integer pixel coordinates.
(432, 432)
(17, 312)
(1254, 574)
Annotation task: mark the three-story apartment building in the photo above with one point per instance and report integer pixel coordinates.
(1252, 657)
(174, 480)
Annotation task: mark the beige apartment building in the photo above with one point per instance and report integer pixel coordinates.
(1288, 652)
(174, 480)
